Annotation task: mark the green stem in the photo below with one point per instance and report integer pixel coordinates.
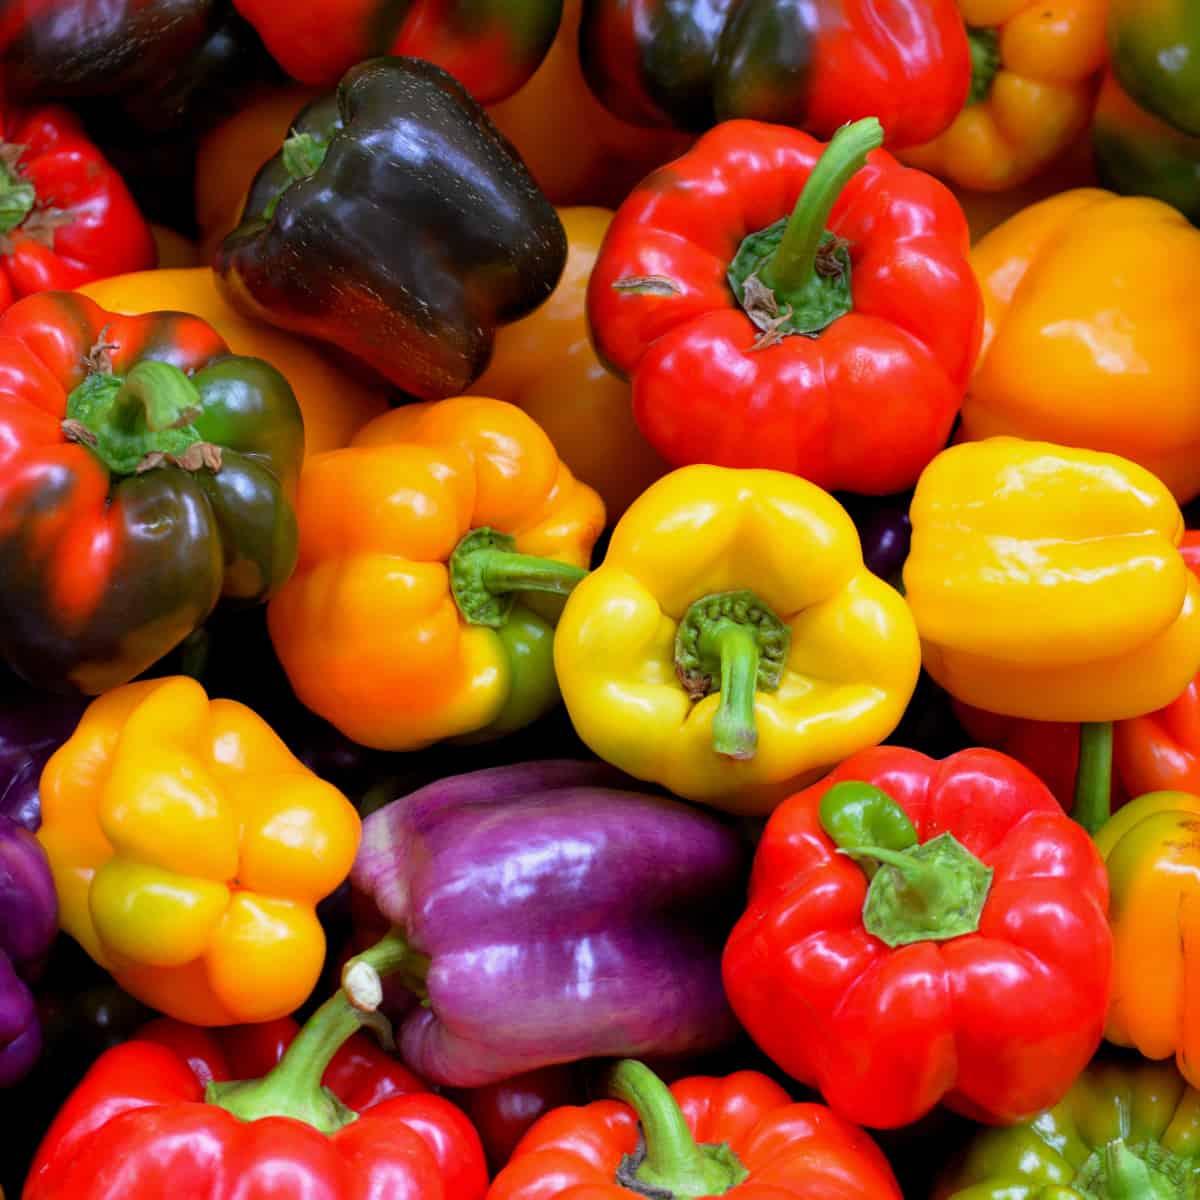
(17, 194)
(486, 574)
(984, 45)
(1093, 778)
(794, 262)
(673, 1162)
(1128, 1177)
(293, 1087)
(734, 732)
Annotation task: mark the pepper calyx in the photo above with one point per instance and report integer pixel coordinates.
(139, 421)
(1121, 1170)
(794, 277)
(17, 195)
(731, 642)
(487, 573)
(986, 61)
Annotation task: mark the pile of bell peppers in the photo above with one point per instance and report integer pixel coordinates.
(599, 599)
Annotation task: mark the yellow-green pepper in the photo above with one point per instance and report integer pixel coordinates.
(732, 646)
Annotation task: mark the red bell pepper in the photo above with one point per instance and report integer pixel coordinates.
(834, 342)
(753, 1143)
(158, 1116)
(924, 931)
(66, 216)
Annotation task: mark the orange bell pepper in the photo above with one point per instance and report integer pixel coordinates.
(1091, 332)
(576, 150)
(189, 849)
(399, 624)
(334, 405)
(546, 365)
(1035, 65)
(230, 155)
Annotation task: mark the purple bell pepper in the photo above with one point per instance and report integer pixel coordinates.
(552, 916)
(32, 726)
(28, 923)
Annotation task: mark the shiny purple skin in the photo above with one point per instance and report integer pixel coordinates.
(886, 533)
(564, 919)
(32, 727)
(28, 923)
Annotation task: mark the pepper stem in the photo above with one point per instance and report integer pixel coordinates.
(124, 421)
(17, 194)
(984, 45)
(1128, 1177)
(293, 1087)
(736, 638)
(1093, 777)
(486, 574)
(669, 1163)
(795, 260)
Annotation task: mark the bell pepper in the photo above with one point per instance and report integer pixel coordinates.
(1149, 847)
(78, 49)
(32, 726)
(146, 1121)
(1156, 55)
(189, 849)
(576, 150)
(816, 65)
(334, 404)
(737, 1136)
(146, 474)
(229, 156)
(834, 342)
(539, 907)
(401, 625)
(545, 364)
(470, 242)
(66, 217)
(1117, 333)
(733, 645)
(1139, 154)
(1047, 582)
(28, 925)
(922, 932)
(1033, 74)
(1125, 1130)
(490, 46)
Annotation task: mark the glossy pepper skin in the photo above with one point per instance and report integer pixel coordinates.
(151, 1118)
(66, 216)
(558, 916)
(862, 403)
(1116, 331)
(189, 850)
(28, 925)
(577, 151)
(1149, 847)
(1047, 582)
(146, 474)
(1127, 1128)
(32, 726)
(1034, 67)
(995, 1016)
(469, 242)
(369, 629)
(1139, 154)
(812, 65)
(546, 365)
(1156, 55)
(333, 403)
(779, 560)
(490, 46)
(76, 49)
(740, 1136)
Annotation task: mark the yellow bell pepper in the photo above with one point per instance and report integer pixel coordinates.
(1092, 332)
(1046, 582)
(546, 364)
(1153, 859)
(732, 646)
(1033, 84)
(189, 849)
